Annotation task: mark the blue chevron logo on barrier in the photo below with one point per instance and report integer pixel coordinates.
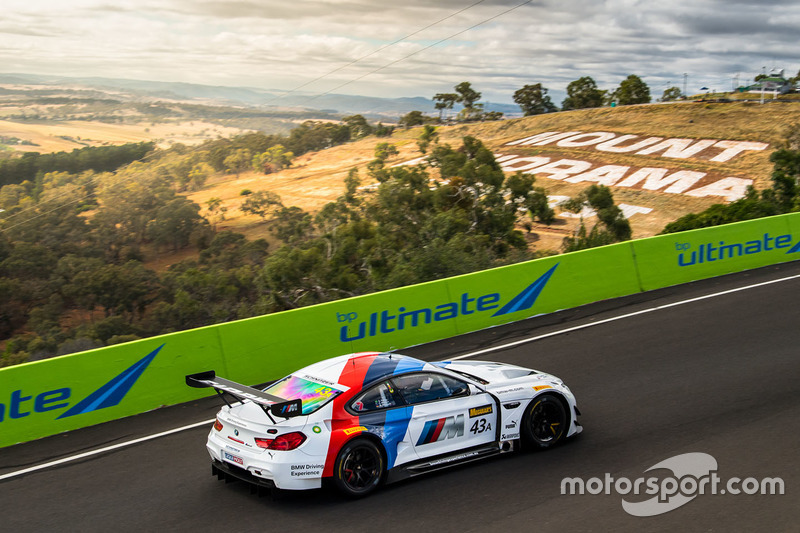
(115, 390)
(527, 298)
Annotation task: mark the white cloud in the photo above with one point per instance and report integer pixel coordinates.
(278, 44)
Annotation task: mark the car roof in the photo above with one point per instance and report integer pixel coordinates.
(359, 369)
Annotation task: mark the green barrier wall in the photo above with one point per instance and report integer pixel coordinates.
(73, 391)
(692, 255)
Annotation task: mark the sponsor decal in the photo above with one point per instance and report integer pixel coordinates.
(453, 459)
(442, 429)
(306, 470)
(514, 389)
(356, 429)
(316, 429)
(537, 388)
(480, 411)
(710, 252)
(509, 436)
(287, 408)
(386, 321)
(319, 380)
(232, 458)
(111, 394)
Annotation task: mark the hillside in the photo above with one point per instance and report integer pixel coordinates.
(317, 178)
(93, 254)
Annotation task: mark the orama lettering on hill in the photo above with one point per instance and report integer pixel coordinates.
(687, 182)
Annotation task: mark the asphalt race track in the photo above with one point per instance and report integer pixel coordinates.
(719, 375)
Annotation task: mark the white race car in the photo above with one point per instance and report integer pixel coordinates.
(366, 418)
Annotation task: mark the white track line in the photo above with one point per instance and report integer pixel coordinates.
(620, 317)
(103, 450)
(465, 356)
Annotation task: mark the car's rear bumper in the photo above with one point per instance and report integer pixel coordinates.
(229, 472)
(291, 470)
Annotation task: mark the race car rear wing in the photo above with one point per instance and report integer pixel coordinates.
(272, 405)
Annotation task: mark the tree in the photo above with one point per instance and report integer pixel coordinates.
(632, 90)
(216, 211)
(671, 94)
(425, 138)
(533, 100)
(612, 225)
(358, 125)
(262, 203)
(411, 119)
(376, 167)
(239, 160)
(274, 159)
(175, 223)
(198, 175)
(581, 94)
(467, 96)
(383, 131)
(444, 101)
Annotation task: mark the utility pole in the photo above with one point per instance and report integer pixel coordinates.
(685, 77)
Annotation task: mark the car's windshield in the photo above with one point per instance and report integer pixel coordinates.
(314, 395)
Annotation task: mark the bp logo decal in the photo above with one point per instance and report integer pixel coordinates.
(387, 321)
(22, 404)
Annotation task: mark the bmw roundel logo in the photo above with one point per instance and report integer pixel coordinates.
(236, 432)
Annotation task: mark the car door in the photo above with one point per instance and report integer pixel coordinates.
(381, 406)
(446, 414)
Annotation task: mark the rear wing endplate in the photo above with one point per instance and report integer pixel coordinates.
(272, 405)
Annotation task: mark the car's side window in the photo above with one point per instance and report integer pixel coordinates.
(427, 387)
(381, 396)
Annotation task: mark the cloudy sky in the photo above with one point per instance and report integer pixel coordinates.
(277, 44)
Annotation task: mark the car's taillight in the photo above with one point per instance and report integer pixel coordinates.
(286, 442)
(218, 425)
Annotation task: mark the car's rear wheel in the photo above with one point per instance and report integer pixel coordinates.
(545, 422)
(359, 468)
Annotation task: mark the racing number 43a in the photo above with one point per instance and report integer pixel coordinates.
(480, 426)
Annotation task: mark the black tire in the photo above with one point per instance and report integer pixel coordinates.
(545, 422)
(359, 468)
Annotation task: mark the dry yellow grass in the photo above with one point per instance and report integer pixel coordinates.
(318, 178)
(68, 135)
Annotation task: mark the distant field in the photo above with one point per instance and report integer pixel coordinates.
(50, 136)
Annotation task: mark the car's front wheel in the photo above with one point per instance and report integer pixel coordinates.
(545, 422)
(359, 468)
